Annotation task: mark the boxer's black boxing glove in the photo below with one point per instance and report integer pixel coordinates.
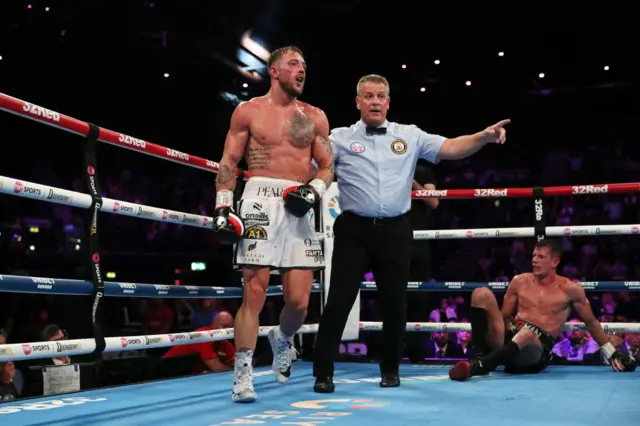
(298, 200)
(226, 223)
(619, 361)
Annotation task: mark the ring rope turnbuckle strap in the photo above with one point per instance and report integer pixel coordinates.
(93, 185)
(539, 218)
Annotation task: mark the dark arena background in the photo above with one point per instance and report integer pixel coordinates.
(87, 310)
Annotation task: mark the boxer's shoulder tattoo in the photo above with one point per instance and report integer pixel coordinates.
(301, 129)
(258, 157)
(225, 175)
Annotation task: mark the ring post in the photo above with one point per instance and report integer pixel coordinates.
(92, 182)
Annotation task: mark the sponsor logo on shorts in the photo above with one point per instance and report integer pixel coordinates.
(317, 255)
(269, 192)
(252, 246)
(256, 219)
(308, 242)
(257, 206)
(255, 232)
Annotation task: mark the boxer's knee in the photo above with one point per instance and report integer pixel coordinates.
(255, 289)
(482, 297)
(296, 288)
(526, 337)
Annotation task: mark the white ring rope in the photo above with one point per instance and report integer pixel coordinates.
(50, 194)
(20, 351)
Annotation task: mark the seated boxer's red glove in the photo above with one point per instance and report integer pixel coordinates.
(298, 200)
(226, 223)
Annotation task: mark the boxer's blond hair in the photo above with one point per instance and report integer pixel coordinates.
(280, 52)
(372, 78)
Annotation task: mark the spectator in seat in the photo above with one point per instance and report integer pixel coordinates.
(464, 340)
(8, 391)
(159, 318)
(631, 345)
(441, 346)
(215, 356)
(53, 333)
(446, 312)
(204, 316)
(577, 346)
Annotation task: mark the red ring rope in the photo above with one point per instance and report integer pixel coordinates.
(55, 119)
(595, 189)
(72, 125)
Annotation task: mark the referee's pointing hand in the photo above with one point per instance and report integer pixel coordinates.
(496, 133)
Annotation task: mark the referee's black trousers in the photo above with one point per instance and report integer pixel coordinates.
(384, 246)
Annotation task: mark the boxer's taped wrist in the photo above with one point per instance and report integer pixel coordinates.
(608, 350)
(224, 198)
(319, 186)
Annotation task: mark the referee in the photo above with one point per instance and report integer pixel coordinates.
(375, 162)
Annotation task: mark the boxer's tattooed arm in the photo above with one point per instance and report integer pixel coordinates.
(322, 151)
(234, 147)
(225, 175)
(258, 158)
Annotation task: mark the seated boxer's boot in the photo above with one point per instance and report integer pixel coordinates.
(464, 370)
(281, 346)
(243, 378)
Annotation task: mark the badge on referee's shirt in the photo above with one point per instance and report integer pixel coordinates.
(399, 146)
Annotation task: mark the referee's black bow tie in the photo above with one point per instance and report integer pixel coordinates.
(376, 130)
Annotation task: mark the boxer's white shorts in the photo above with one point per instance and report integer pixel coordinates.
(273, 237)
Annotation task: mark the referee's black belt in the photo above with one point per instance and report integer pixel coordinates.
(378, 221)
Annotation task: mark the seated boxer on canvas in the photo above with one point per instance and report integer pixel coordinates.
(541, 302)
(279, 136)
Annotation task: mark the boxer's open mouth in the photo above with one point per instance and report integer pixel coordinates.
(300, 79)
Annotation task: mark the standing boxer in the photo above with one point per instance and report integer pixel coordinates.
(279, 136)
(375, 162)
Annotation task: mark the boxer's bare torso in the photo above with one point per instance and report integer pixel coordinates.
(546, 303)
(280, 139)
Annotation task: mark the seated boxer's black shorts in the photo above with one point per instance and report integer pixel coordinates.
(532, 359)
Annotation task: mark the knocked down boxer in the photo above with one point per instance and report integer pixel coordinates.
(541, 302)
(279, 136)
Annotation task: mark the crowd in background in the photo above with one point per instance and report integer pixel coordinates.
(148, 251)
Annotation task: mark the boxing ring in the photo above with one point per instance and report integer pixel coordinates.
(560, 395)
